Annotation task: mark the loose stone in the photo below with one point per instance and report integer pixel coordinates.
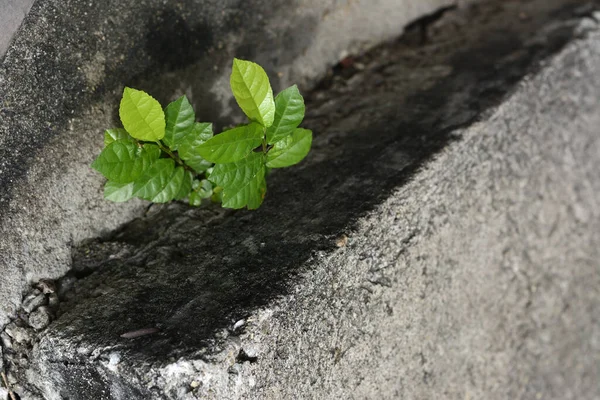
(47, 286)
(19, 334)
(40, 318)
(33, 302)
(6, 341)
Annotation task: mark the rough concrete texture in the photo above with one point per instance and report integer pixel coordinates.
(12, 13)
(441, 241)
(61, 79)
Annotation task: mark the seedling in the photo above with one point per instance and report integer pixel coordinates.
(162, 156)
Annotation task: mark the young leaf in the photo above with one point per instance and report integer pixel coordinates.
(195, 199)
(188, 147)
(151, 151)
(142, 116)
(178, 186)
(243, 181)
(118, 192)
(197, 163)
(290, 150)
(180, 121)
(200, 133)
(232, 145)
(123, 161)
(205, 189)
(289, 112)
(252, 91)
(217, 196)
(186, 185)
(155, 179)
(112, 135)
(201, 190)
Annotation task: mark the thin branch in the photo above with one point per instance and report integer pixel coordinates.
(176, 158)
(10, 392)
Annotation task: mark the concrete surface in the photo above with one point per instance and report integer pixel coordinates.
(12, 13)
(441, 241)
(61, 79)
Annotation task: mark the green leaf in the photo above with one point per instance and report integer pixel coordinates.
(252, 91)
(232, 145)
(178, 186)
(172, 187)
(195, 199)
(151, 151)
(205, 190)
(289, 113)
(201, 190)
(123, 161)
(217, 196)
(186, 185)
(180, 121)
(188, 148)
(118, 192)
(142, 116)
(243, 181)
(163, 182)
(198, 164)
(290, 150)
(112, 135)
(155, 179)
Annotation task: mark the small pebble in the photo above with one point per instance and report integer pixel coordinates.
(239, 324)
(19, 334)
(251, 350)
(47, 286)
(32, 302)
(114, 359)
(40, 318)
(6, 340)
(194, 384)
(342, 241)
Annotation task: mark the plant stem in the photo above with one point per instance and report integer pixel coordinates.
(264, 141)
(175, 157)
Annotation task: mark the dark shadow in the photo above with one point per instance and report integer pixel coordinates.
(173, 44)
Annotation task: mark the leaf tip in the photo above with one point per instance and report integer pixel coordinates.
(127, 90)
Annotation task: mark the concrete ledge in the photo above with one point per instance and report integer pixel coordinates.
(441, 241)
(62, 76)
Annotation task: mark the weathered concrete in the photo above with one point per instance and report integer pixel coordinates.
(61, 79)
(442, 240)
(12, 13)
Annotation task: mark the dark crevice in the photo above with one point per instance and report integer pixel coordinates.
(420, 27)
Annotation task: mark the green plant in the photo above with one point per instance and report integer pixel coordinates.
(166, 155)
